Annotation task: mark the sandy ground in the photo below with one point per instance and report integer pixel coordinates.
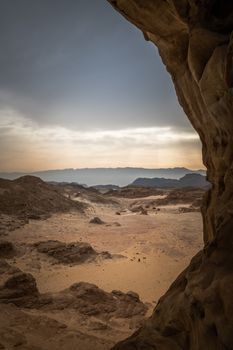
(151, 251)
(155, 248)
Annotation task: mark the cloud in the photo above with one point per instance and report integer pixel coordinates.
(13, 124)
(27, 145)
(82, 65)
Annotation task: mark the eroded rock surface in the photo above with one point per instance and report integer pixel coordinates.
(70, 253)
(7, 249)
(20, 288)
(90, 300)
(28, 197)
(28, 312)
(96, 220)
(23, 330)
(195, 42)
(16, 286)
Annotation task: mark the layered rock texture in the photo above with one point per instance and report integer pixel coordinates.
(82, 317)
(29, 197)
(195, 42)
(69, 253)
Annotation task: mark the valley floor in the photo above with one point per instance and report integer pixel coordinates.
(148, 252)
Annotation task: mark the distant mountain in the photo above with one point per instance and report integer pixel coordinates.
(189, 180)
(106, 187)
(102, 176)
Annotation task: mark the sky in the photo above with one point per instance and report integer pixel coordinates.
(80, 87)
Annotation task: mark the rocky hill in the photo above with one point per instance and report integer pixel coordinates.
(85, 194)
(189, 180)
(30, 197)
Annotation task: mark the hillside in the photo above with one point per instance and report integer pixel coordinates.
(84, 194)
(30, 197)
(133, 192)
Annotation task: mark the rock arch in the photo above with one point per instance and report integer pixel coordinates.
(195, 42)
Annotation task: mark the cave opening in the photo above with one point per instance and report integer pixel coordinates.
(90, 252)
(191, 314)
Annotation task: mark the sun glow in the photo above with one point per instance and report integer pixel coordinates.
(56, 146)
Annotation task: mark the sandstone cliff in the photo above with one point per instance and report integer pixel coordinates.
(195, 42)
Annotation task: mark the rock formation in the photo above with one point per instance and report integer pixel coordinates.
(29, 197)
(7, 249)
(195, 42)
(97, 221)
(20, 289)
(16, 286)
(70, 253)
(90, 300)
(82, 316)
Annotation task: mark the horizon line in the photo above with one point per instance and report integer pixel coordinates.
(94, 168)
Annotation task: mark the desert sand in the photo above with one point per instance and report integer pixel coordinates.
(147, 250)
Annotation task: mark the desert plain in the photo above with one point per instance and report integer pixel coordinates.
(85, 279)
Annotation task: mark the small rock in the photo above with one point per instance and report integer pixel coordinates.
(117, 224)
(143, 212)
(7, 249)
(97, 220)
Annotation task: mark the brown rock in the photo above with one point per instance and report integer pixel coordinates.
(19, 289)
(7, 249)
(139, 209)
(143, 211)
(28, 197)
(70, 253)
(6, 268)
(97, 221)
(88, 299)
(195, 42)
(67, 253)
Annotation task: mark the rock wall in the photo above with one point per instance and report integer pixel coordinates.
(195, 42)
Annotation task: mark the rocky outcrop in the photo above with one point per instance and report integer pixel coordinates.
(195, 42)
(20, 289)
(96, 220)
(70, 253)
(23, 330)
(90, 300)
(7, 249)
(16, 286)
(82, 316)
(177, 196)
(10, 223)
(29, 197)
(134, 192)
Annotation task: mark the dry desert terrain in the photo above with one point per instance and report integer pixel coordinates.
(87, 279)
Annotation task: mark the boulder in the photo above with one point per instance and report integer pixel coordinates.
(7, 249)
(67, 253)
(97, 221)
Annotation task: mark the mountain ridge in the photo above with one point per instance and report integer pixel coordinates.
(120, 176)
(188, 180)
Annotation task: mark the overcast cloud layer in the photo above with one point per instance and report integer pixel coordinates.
(80, 87)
